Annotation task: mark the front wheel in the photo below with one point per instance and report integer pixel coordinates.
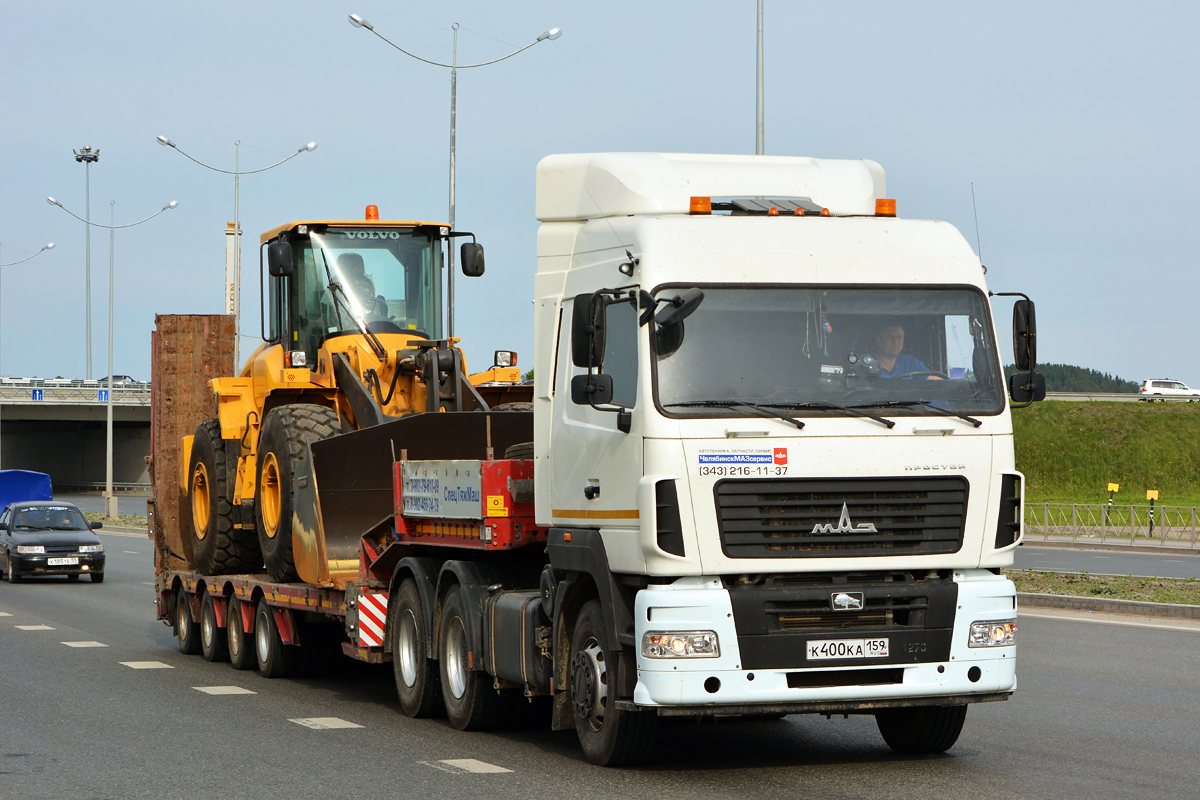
(609, 737)
(97, 577)
(418, 681)
(927, 729)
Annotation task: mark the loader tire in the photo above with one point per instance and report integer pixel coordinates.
(524, 450)
(286, 434)
(217, 546)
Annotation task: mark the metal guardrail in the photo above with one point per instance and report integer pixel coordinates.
(72, 393)
(1174, 526)
(1117, 397)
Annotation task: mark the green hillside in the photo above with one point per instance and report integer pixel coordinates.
(1068, 378)
(1070, 452)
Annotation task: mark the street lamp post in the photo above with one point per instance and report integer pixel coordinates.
(233, 272)
(49, 246)
(87, 156)
(358, 22)
(758, 128)
(110, 499)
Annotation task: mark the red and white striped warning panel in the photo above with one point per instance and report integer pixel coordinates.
(372, 611)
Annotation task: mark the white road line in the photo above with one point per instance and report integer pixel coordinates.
(84, 644)
(132, 552)
(147, 583)
(1103, 620)
(5, 614)
(146, 665)
(33, 627)
(223, 690)
(324, 723)
(472, 765)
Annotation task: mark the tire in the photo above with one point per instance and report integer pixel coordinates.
(212, 639)
(74, 576)
(472, 704)
(286, 433)
(526, 407)
(418, 680)
(9, 572)
(523, 451)
(186, 629)
(929, 729)
(275, 659)
(218, 548)
(609, 737)
(97, 577)
(238, 644)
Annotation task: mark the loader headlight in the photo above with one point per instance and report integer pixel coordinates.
(31, 549)
(994, 633)
(505, 358)
(681, 644)
(296, 358)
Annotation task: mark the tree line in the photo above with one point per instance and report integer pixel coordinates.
(1069, 378)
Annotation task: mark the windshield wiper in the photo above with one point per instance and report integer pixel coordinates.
(853, 411)
(64, 528)
(945, 412)
(335, 289)
(761, 409)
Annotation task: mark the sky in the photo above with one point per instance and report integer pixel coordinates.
(1074, 122)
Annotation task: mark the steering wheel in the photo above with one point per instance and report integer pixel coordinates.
(925, 372)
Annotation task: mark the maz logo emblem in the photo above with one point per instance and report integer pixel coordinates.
(845, 525)
(846, 601)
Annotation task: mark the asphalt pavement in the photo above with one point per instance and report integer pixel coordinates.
(1108, 562)
(96, 702)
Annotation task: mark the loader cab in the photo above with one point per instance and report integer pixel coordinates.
(330, 279)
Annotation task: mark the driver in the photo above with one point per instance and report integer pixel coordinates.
(889, 344)
(359, 284)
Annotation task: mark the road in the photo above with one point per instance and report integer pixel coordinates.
(1102, 710)
(1108, 562)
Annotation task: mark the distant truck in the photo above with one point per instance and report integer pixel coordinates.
(768, 469)
(20, 485)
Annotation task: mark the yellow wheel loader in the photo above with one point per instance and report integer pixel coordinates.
(352, 334)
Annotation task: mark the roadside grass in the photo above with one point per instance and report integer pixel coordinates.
(123, 520)
(1070, 452)
(1179, 591)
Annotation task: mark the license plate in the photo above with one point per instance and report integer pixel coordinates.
(62, 562)
(847, 648)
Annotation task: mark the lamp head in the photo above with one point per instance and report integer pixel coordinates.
(53, 202)
(49, 246)
(165, 142)
(359, 22)
(309, 147)
(170, 205)
(551, 34)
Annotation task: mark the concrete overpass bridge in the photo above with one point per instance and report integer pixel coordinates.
(57, 426)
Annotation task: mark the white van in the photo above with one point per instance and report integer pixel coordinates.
(1162, 388)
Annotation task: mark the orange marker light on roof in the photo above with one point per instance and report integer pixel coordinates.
(773, 211)
(885, 208)
(373, 212)
(700, 205)
(825, 212)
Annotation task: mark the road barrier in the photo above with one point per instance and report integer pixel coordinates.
(1167, 526)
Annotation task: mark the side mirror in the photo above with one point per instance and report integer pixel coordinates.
(96, 525)
(591, 390)
(3, 526)
(679, 307)
(471, 256)
(279, 258)
(587, 330)
(1024, 335)
(1026, 387)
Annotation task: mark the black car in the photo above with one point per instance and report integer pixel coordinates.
(49, 538)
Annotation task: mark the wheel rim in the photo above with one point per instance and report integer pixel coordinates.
(208, 628)
(262, 637)
(270, 496)
(407, 646)
(589, 685)
(200, 500)
(233, 630)
(182, 616)
(456, 657)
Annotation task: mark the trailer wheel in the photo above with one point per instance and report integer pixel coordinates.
(186, 629)
(609, 737)
(930, 729)
(217, 546)
(418, 680)
(212, 639)
(238, 643)
(275, 659)
(286, 433)
(472, 704)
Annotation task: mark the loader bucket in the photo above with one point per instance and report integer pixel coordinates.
(349, 490)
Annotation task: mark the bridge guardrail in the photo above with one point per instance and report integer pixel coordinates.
(1174, 526)
(73, 394)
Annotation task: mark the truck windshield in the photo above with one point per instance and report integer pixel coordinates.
(389, 281)
(819, 351)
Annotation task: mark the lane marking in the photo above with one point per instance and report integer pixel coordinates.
(473, 765)
(324, 723)
(1104, 621)
(147, 583)
(84, 644)
(5, 614)
(132, 552)
(33, 627)
(223, 690)
(128, 535)
(146, 665)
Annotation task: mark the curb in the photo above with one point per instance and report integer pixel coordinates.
(1132, 607)
(1124, 548)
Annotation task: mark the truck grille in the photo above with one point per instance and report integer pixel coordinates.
(831, 517)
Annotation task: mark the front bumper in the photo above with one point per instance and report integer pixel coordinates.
(37, 564)
(708, 685)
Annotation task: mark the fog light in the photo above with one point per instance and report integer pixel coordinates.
(84, 568)
(681, 644)
(995, 633)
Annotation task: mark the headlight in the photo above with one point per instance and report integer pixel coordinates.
(681, 644)
(91, 548)
(996, 633)
(31, 549)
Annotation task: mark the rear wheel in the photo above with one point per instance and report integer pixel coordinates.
(609, 737)
(286, 434)
(930, 729)
(217, 546)
(238, 643)
(418, 681)
(275, 659)
(212, 638)
(186, 629)
(472, 703)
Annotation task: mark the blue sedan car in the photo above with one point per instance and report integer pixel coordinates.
(49, 538)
